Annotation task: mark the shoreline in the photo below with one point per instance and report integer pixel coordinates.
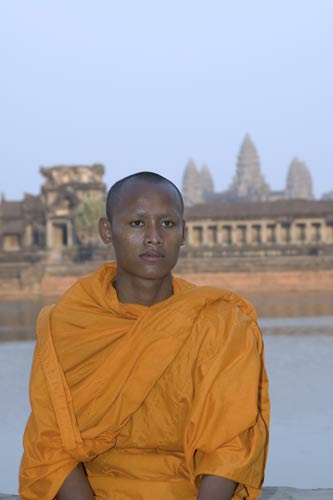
(244, 283)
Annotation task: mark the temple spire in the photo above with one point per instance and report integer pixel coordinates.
(207, 183)
(191, 185)
(249, 183)
(299, 181)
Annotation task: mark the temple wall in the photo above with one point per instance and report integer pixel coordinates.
(297, 281)
(56, 279)
(255, 232)
(279, 282)
(269, 493)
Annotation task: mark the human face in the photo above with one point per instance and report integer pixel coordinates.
(146, 230)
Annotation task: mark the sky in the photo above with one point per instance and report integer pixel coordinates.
(148, 85)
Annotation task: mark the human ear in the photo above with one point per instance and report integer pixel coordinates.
(105, 230)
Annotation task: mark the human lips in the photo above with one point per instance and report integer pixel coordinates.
(152, 256)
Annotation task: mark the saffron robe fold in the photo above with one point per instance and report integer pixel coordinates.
(149, 398)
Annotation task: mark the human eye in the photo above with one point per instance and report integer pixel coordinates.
(167, 223)
(136, 223)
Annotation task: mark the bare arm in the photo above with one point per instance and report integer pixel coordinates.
(76, 486)
(216, 488)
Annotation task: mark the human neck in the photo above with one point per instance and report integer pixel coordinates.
(134, 290)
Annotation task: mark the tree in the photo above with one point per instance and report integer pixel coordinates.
(85, 218)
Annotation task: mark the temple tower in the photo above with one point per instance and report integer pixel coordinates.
(299, 181)
(191, 185)
(248, 184)
(206, 181)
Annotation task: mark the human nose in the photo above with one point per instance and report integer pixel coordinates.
(153, 236)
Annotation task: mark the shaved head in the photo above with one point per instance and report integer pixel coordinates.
(115, 192)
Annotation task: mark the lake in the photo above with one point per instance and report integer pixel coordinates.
(299, 358)
(18, 317)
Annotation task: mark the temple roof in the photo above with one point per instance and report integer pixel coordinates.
(11, 208)
(261, 210)
(68, 174)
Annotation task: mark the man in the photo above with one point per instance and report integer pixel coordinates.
(145, 386)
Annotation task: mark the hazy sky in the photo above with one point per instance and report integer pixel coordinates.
(146, 85)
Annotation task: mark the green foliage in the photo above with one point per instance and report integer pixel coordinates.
(86, 217)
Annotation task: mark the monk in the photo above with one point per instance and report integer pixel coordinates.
(145, 386)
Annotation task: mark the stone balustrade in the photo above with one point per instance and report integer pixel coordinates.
(269, 493)
(256, 232)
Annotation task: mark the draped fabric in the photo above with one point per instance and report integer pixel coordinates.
(148, 398)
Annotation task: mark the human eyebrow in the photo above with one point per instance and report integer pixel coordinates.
(137, 213)
(169, 215)
(143, 214)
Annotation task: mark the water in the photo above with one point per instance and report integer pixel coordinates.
(299, 354)
(18, 317)
(311, 325)
(301, 380)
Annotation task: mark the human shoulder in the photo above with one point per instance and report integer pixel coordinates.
(224, 315)
(80, 304)
(213, 304)
(231, 307)
(90, 286)
(220, 302)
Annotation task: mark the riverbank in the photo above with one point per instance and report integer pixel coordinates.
(246, 283)
(269, 493)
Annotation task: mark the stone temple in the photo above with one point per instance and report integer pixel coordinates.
(198, 184)
(45, 221)
(248, 184)
(234, 230)
(299, 182)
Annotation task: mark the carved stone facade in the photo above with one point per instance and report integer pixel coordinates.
(197, 184)
(299, 182)
(45, 222)
(22, 224)
(206, 181)
(40, 228)
(301, 225)
(65, 187)
(248, 183)
(65, 175)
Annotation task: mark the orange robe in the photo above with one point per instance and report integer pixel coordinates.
(149, 398)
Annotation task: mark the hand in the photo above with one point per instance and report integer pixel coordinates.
(216, 488)
(76, 486)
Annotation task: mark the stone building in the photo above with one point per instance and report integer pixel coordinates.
(22, 224)
(248, 183)
(64, 188)
(45, 222)
(299, 182)
(40, 229)
(275, 225)
(197, 184)
(257, 236)
(206, 181)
